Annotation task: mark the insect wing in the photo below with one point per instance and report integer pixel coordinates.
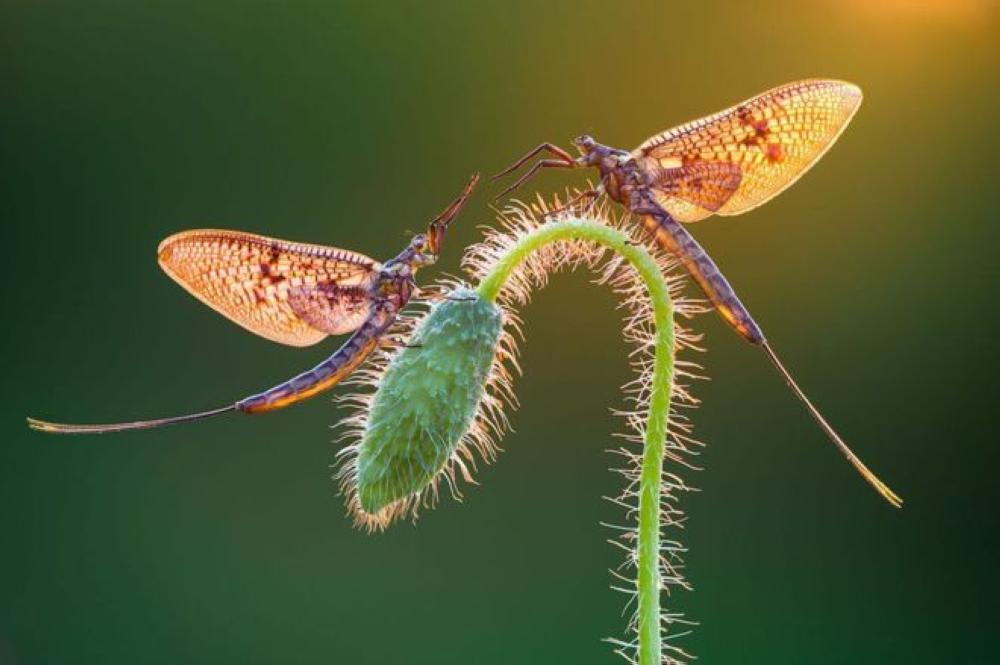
(288, 292)
(773, 139)
(332, 308)
(695, 190)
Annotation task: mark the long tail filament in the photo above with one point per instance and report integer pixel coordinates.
(865, 472)
(62, 428)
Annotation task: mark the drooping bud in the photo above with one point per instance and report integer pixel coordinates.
(424, 413)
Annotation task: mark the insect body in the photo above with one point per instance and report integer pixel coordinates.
(723, 164)
(295, 294)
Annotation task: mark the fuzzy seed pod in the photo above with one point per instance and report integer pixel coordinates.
(431, 407)
(426, 403)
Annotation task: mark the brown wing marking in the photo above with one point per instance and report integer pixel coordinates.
(773, 138)
(694, 191)
(251, 279)
(332, 308)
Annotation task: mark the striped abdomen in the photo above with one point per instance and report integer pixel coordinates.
(328, 373)
(674, 238)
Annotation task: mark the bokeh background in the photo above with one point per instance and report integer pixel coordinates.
(351, 124)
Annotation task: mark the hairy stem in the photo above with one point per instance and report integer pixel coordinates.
(648, 536)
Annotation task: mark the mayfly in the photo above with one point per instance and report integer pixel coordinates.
(723, 164)
(294, 294)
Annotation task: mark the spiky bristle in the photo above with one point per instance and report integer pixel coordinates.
(430, 410)
(517, 221)
(378, 509)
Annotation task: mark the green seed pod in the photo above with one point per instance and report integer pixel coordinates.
(426, 403)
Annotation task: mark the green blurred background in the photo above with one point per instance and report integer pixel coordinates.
(352, 123)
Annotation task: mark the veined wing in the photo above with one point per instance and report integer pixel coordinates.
(772, 139)
(288, 292)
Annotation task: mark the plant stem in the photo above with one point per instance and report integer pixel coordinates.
(647, 553)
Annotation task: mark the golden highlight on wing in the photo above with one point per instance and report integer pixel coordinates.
(288, 292)
(706, 186)
(773, 138)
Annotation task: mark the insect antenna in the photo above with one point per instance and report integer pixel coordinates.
(865, 472)
(439, 225)
(62, 428)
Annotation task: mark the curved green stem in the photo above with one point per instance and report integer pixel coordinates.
(648, 583)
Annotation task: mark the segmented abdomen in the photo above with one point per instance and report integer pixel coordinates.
(328, 373)
(673, 237)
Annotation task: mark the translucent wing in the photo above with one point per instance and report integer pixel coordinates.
(288, 292)
(773, 139)
(332, 308)
(703, 186)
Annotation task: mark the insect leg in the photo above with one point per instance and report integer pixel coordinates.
(436, 294)
(439, 225)
(544, 147)
(540, 164)
(591, 195)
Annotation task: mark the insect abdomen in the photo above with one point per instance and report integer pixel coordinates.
(323, 376)
(674, 238)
